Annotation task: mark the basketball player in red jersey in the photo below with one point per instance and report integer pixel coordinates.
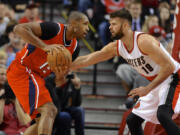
(160, 99)
(27, 72)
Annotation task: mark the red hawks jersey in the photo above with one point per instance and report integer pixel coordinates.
(140, 61)
(35, 58)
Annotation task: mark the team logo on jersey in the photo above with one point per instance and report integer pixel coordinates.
(136, 62)
(137, 105)
(140, 62)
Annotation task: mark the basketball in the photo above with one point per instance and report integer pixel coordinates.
(59, 59)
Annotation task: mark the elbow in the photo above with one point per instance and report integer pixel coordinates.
(170, 67)
(19, 28)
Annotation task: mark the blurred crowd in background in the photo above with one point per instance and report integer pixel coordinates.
(150, 16)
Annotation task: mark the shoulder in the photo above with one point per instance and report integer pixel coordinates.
(49, 29)
(50, 25)
(146, 42)
(146, 38)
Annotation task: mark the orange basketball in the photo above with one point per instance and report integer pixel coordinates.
(59, 59)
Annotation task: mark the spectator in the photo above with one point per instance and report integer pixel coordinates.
(172, 8)
(2, 76)
(3, 19)
(3, 57)
(151, 20)
(127, 3)
(2, 81)
(9, 12)
(70, 99)
(13, 120)
(84, 5)
(160, 35)
(15, 44)
(98, 11)
(18, 6)
(135, 11)
(164, 19)
(149, 7)
(31, 14)
(67, 98)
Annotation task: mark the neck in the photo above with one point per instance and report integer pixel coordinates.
(128, 39)
(69, 34)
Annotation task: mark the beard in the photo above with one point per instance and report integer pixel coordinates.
(117, 36)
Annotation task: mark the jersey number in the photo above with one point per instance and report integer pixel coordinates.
(147, 68)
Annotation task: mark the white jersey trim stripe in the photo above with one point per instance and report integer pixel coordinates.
(75, 45)
(37, 87)
(22, 58)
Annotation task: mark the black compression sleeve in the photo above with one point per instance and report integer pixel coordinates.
(49, 30)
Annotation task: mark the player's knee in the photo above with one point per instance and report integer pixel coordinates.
(48, 109)
(53, 110)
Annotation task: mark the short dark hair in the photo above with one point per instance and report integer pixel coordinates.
(75, 16)
(122, 13)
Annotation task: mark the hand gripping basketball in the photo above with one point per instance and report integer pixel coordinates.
(59, 60)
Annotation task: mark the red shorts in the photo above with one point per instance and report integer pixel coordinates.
(28, 87)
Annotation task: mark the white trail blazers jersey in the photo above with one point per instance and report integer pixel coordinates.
(140, 61)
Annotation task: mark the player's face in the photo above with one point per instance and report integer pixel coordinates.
(83, 27)
(32, 14)
(116, 28)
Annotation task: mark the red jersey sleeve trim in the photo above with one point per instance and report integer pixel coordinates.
(150, 78)
(118, 48)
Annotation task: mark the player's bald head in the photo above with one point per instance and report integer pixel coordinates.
(76, 16)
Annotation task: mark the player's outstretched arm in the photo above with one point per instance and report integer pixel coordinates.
(104, 54)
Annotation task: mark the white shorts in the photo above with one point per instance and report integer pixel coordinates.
(147, 106)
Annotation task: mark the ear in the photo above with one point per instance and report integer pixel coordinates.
(126, 25)
(74, 25)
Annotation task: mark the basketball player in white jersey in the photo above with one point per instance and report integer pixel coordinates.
(160, 99)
